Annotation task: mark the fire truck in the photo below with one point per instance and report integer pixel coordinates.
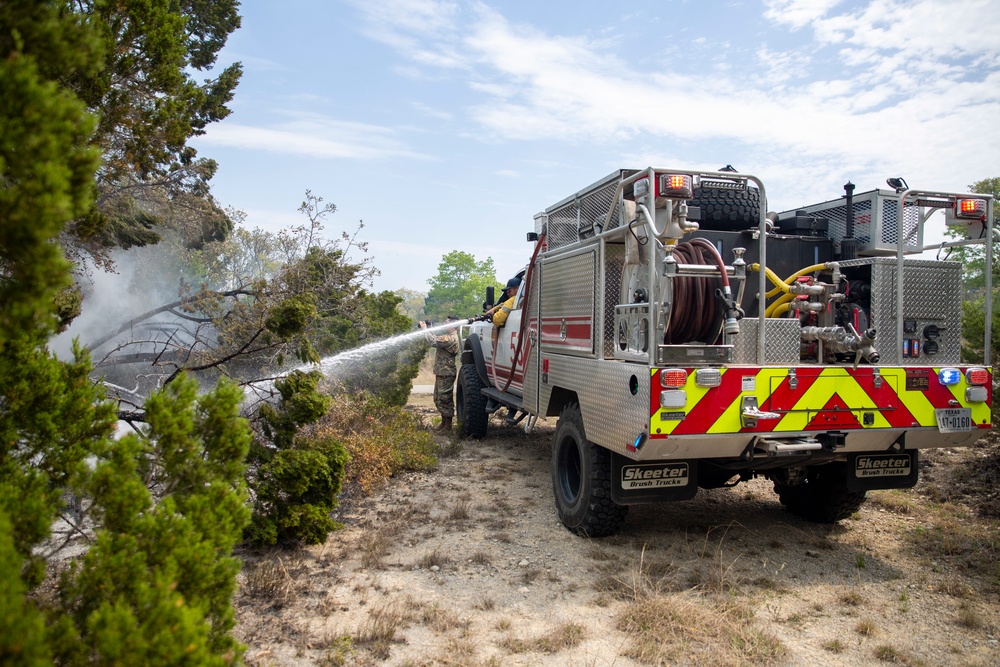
(687, 339)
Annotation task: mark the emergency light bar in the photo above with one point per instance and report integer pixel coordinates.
(723, 183)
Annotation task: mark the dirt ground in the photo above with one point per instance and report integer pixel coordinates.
(468, 564)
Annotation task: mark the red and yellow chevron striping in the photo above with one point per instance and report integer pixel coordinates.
(814, 399)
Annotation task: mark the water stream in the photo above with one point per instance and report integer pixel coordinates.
(331, 365)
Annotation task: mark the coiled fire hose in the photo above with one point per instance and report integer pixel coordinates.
(695, 315)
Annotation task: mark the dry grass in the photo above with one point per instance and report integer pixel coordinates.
(381, 439)
(680, 627)
(834, 646)
(376, 542)
(969, 618)
(643, 578)
(440, 620)
(459, 512)
(894, 500)
(434, 558)
(529, 576)
(951, 531)
(268, 580)
(481, 558)
(887, 653)
(866, 628)
(378, 631)
(559, 638)
(851, 598)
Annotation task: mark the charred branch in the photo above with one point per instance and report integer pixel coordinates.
(163, 309)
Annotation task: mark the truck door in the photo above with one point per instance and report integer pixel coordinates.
(506, 346)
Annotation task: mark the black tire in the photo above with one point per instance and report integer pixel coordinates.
(470, 404)
(581, 480)
(823, 497)
(725, 210)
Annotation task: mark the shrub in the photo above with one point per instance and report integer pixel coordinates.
(295, 479)
(382, 439)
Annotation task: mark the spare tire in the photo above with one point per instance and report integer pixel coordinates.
(727, 209)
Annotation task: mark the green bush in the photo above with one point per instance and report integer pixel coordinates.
(295, 480)
(157, 583)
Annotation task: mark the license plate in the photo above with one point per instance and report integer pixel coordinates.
(954, 420)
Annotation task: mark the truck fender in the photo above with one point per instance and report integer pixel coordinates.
(473, 354)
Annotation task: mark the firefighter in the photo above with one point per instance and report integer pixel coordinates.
(500, 311)
(447, 346)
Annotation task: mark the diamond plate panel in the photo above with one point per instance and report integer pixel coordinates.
(570, 290)
(614, 261)
(561, 228)
(931, 295)
(875, 222)
(780, 348)
(612, 415)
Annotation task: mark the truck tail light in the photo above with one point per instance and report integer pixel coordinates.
(973, 209)
(673, 399)
(673, 378)
(675, 186)
(708, 377)
(975, 394)
(977, 376)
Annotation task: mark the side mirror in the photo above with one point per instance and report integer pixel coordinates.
(490, 297)
(532, 237)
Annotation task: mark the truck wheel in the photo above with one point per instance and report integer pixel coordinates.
(581, 480)
(823, 496)
(470, 404)
(724, 210)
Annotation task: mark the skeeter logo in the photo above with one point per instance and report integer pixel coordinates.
(655, 476)
(891, 465)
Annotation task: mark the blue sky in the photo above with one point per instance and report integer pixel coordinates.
(447, 125)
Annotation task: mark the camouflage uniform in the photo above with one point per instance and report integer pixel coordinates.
(448, 347)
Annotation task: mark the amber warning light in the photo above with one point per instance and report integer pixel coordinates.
(675, 186)
(970, 208)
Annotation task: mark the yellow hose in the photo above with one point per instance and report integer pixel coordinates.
(783, 285)
(780, 309)
(773, 277)
(783, 300)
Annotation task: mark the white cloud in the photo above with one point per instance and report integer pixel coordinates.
(798, 13)
(780, 67)
(922, 87)
(431, 112)
(312, 135)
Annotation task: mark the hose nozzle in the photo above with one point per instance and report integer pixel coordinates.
(731, 326)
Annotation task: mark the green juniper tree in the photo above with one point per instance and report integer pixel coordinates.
(156, 585)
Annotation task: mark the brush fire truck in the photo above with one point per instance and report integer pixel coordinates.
(687, 339)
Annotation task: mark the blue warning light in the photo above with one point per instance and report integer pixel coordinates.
(949, 376)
